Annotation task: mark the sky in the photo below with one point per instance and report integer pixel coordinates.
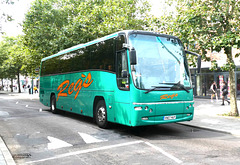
(17, 11)
(20, 7)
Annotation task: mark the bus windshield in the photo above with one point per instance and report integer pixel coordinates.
(161, 62)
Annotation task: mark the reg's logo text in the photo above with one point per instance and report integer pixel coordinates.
(166, 96)
(65, 89)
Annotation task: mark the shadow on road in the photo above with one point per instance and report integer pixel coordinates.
(154, 132)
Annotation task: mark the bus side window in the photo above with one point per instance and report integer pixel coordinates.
(119, 42)
(122, 70)
(43, 69)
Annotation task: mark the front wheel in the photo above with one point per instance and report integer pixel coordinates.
(53, 104)
(101, 114)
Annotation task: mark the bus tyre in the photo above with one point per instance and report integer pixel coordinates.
(101, 114)
(53, 104)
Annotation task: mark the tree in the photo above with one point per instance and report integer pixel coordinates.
(12, 66)
(208, 25)
(53, 25)
(4, 51)
(3, 57)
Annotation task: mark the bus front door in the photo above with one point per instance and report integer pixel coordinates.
(122, 100)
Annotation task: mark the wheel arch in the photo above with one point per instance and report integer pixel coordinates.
(54, 110)
(52, 93)
(96, 100)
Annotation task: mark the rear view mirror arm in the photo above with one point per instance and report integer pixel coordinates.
(199, 58)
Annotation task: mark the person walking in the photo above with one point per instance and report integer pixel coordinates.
(213, 89)
(35, 89)
(224, 93)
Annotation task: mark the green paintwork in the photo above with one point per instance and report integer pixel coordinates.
(122, 111)
(119, 103)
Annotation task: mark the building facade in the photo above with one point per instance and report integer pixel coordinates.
(202, 81)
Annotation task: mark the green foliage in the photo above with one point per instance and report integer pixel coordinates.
(12, 54)
(53, 25)
(208, 25)
(205, 25)
(4, 55)
(214, 65)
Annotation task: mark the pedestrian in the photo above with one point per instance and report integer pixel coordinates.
(213, 90)
(35, 89)
(224, 93)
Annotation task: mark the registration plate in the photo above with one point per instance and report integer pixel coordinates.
(169, 117)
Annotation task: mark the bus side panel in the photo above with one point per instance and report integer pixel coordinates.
(68, 90)
(102, 87)
(45, 88)
(48, 86)
(75, 92)
(83, 103)
(122, 113)
(122, 107)
(100, 84)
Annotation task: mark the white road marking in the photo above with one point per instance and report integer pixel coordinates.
(164, 152)
(57, 143)
(17, 102)
(87, 151)
(90, 139)
(4, 113)
(26, 105)
(106, 148)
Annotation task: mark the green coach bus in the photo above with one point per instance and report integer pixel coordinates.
(133, 78)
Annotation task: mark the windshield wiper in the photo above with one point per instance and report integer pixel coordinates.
(155, 87)
(170, 83)
(177, 85)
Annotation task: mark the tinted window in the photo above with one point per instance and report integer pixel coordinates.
(105, 56)
(97, 56)
(43, 69)
(78, 60)
(119, 42)
(65, 62)
(51, 66)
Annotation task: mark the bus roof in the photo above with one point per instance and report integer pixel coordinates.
(126, 32)
(82, 45)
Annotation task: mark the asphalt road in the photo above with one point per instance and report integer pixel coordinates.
(36, 136)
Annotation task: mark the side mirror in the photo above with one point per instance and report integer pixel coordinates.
(199, 59)
(133, 56)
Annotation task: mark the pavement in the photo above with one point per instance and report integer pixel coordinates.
(207, 115)
(213, 116)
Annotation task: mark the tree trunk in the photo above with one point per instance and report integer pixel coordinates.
(19, 85)
(11, 86)
(233, 96)
(2, 85)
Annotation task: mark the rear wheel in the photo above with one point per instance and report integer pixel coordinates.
(101, 114)
(53, 104)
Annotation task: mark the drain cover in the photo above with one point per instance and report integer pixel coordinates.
(22, 156)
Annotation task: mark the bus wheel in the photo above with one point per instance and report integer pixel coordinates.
(53, 104)
(101, 114)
